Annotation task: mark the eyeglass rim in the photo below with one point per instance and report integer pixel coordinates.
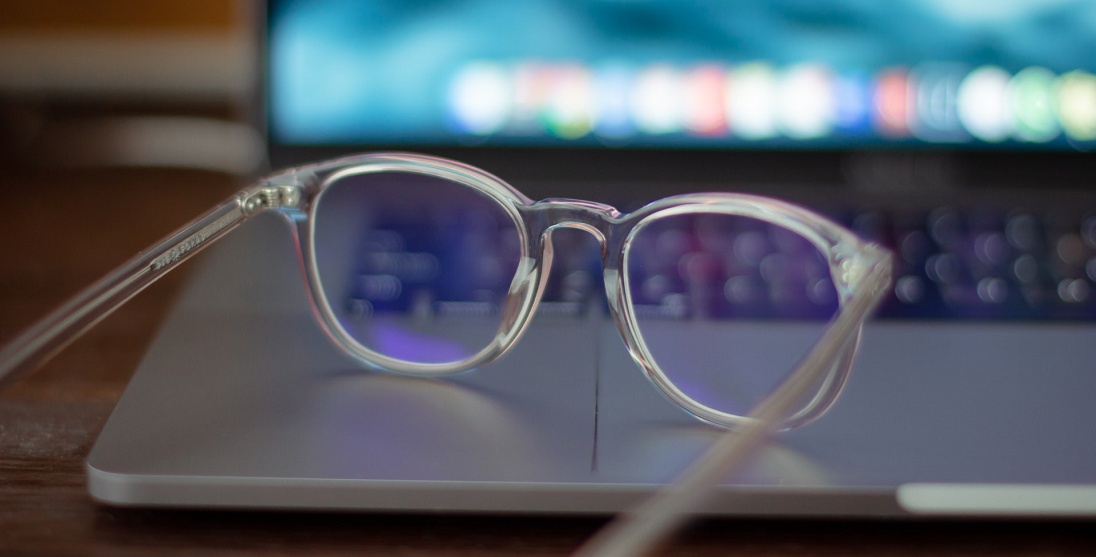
(524, 287)
(841, 246)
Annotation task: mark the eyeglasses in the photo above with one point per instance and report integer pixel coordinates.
(428, 267)
(423, 266)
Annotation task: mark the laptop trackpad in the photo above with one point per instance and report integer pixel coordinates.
(926, 402)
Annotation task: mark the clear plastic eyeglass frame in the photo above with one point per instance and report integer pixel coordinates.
(860, 271)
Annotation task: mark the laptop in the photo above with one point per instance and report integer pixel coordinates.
(957, 133)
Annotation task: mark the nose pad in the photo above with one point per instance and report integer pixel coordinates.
(575, 275)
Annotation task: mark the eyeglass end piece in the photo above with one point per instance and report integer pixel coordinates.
(274, 197)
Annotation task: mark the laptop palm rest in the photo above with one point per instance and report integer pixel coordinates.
(243, 402)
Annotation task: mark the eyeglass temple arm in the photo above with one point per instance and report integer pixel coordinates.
(54, 332)
(637, 530)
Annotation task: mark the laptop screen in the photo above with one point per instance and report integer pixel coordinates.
(787, 75)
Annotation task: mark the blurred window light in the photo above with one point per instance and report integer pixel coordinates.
(158, 141)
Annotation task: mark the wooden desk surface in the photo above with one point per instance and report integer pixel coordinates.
(63, 229)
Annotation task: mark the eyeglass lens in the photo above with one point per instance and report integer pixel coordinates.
(417, 268)
(727, 305)
(414, 267)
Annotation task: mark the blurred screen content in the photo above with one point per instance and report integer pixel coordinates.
(657, 73)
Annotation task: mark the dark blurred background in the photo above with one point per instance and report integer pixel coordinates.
(127, 83)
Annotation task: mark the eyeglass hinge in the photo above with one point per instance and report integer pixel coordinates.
(273, 197)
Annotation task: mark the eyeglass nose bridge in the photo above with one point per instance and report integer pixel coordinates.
(595, 218)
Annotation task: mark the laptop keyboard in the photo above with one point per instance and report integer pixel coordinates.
(950, 264)
(980, 263)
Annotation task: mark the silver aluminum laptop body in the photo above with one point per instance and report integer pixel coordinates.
(242, 402)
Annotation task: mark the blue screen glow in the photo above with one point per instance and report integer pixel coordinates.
(662, 73)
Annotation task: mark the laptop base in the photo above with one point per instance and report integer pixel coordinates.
(242, 402)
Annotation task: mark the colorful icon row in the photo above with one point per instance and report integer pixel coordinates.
(935, 102)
